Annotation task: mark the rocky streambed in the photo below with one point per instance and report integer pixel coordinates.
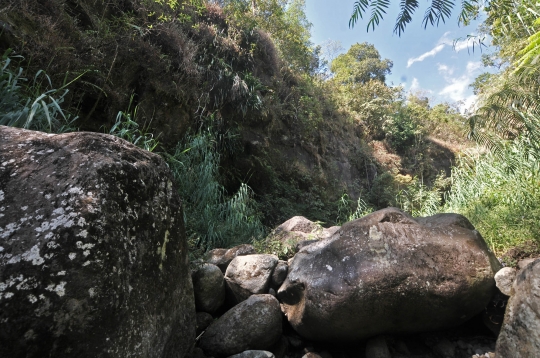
(93, 263)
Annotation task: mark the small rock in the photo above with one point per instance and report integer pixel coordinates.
(504, 279)
(523, 263)
(295, 342)
(223, 257)
(311, 355)
(280, 273)
(401, 348)
(204, 320)
(325, 354)
(253, 354)
(280, 348)
(444, 349)
(254, 324)
(249, 275)
(209, 288)
(377, 348)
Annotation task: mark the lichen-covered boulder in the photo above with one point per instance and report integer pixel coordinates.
(93, 256)
(249, 275)
(209, 288)
(520, 332)
(254, 324)
(389, 273)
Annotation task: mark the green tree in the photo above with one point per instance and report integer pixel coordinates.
(361, 64)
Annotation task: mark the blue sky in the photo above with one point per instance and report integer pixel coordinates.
(424, 60)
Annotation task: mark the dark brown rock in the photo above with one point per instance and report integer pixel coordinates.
(520, 332)
(280, 273)
(204, 320)
(377, 348)
(93, 255)
(254, 324)
(209, 288)
(387, 273)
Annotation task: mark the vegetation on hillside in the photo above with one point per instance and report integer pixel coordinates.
(253, 120)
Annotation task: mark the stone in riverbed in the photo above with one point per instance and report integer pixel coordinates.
(249, 275)
(389, 273)
(209, 288)
(254, 324)
(520, 332)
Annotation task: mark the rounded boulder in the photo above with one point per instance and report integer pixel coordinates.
(389, 273)
(254, 324)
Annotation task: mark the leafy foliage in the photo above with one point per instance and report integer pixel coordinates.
(361, 64)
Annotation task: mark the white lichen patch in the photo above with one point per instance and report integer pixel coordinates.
(2, 196)
(61, 273)
(32, 298)
(72, 255)
(92, 292)
(59, 289)
(329, 268)
(82, 246)
(31, 255)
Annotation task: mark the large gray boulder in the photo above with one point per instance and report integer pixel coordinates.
(254, 324)
(249, 275)
(93, 255)
(389, 273)
(520, 332)
(209, 288)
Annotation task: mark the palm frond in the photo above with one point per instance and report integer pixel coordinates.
(405, 15)
(437, 11)
(358, 10)
(378, 8)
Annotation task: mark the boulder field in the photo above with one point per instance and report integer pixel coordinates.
(93, 263)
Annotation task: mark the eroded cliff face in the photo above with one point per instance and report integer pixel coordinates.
(93, 254)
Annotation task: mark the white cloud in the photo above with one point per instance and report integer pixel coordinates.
(423, 56)
(473, 66)
(444, 41)
(415, 85)
(444, 69)
(457, 87)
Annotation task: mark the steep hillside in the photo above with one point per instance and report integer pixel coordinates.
(251, 79)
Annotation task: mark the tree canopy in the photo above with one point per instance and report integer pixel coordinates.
(361, 64)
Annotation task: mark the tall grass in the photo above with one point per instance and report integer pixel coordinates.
(127, 128)
(213, 219)
(500, 194)
(31, 104)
